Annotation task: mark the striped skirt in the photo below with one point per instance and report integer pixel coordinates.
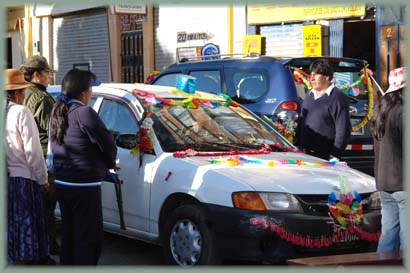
(26, 221)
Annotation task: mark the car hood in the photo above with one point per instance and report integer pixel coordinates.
(290, 178)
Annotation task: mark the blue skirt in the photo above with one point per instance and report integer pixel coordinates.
(26, 220)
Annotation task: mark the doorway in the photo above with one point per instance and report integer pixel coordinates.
(360, 41)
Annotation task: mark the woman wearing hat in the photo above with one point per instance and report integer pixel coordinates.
(37, 71)
(26, 178)
(387, 129)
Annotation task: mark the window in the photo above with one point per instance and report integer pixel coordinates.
(118, 117)
(168, 79)
(209, 81)
(248, 86)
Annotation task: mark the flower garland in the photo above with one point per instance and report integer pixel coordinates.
(192, 102)
(151, 76)
(190, 152)
(237, 160)
(352, 89)
(302, 77)
(288, 132)
(143, 143)
(367, 73)
(308, 241)
(346, 205)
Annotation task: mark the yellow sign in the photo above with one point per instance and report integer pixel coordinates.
(312, 40)
(264, 14)
(252, 43)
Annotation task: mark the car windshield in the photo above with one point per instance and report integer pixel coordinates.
(207, 128)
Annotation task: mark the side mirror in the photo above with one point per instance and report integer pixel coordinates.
(126, 141)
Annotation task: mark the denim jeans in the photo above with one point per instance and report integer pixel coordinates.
(393, 221)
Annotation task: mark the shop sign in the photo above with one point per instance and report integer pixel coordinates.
(252, 44)
(192, 53)
(312, 40)
(131, 22)
(265, 14)
(183, 36)
(127, 8)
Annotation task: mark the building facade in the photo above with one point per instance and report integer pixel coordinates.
(126, 42)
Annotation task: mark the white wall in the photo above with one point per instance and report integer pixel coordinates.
(193, 19)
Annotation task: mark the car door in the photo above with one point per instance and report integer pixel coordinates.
(120, 118)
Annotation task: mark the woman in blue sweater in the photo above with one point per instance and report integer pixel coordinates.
(83, 151)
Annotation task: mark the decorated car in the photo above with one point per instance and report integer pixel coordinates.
(209, 180)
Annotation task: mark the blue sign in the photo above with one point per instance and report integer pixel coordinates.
(210, 49)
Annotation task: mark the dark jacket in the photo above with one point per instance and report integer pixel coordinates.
(388, 167)
(324, 128)
(40, 103)
(88, 150)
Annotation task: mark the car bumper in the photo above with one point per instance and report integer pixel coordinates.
(249, 235)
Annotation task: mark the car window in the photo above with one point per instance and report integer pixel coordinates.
(249, 86)
(207, 80)
(118, 117)
(205, 128)
(168, 79)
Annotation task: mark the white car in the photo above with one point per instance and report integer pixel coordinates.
(212, 181)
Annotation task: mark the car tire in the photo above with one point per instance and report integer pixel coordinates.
(188, 240)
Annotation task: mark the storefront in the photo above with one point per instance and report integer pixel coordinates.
(289, 31)
(108, 40)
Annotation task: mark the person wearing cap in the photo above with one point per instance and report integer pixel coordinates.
(37, 71)
(83, 151)
(324, 126)
(26, 178)
(387, 130)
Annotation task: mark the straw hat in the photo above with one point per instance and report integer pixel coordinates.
(15, 80)
(396, 79)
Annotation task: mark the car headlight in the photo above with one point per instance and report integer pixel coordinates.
(374, 201)
(262, 201)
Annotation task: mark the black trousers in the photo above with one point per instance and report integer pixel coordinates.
(81, 220)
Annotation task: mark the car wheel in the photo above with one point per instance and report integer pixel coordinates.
(188, 240)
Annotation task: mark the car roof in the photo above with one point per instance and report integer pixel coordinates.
(225, 61)
(121, 89)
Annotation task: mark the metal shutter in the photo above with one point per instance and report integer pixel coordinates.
(336, 38)
(81, 40)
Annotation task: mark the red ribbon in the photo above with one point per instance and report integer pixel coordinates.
(314, 242)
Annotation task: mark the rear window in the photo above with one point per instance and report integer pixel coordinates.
(247, 86)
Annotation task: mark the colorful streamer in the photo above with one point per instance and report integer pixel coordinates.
(324, 241)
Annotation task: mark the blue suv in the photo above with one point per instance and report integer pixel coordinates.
(262, 84)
